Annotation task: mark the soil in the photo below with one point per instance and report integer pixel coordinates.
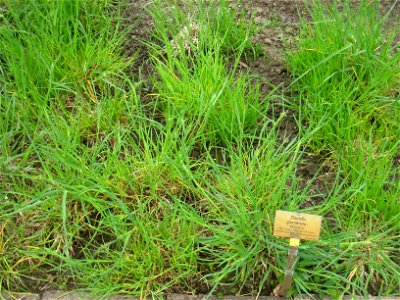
(279, 22)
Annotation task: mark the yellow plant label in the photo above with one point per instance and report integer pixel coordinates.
(294, 242)
(297, 225)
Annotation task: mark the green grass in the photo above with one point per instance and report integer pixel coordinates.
(346, 77)
(111, 192)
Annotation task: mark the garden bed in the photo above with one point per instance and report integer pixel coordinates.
(145, 147)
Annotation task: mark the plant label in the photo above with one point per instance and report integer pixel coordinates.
(297, 225)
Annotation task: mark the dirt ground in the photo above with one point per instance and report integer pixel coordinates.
(278, 20)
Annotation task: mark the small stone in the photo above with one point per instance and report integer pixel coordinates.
(19, 296)
(65, 295)
(268, 40)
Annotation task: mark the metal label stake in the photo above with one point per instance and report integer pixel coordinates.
(289, 270)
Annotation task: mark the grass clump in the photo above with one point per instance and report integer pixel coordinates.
(346, 75)
(199, 26)
(196, 73)
(219, 106)
(216, 110)
(55, 47)
(346, 71)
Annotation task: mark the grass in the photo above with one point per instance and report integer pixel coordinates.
(108, 191)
